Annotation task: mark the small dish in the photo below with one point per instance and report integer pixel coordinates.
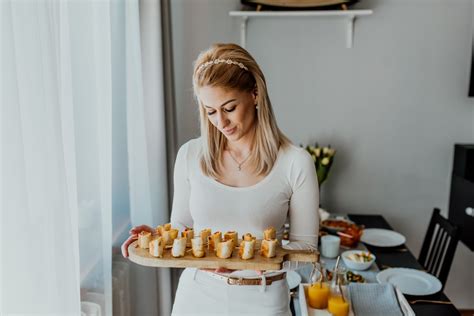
(357, 265)
(334, 225)
(351, 235)
(353, 277)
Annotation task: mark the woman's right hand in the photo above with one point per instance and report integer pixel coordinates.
(134, 236)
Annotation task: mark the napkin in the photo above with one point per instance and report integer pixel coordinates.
(374, 299)
(323, 214)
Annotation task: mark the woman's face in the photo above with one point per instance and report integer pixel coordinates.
(232, 112)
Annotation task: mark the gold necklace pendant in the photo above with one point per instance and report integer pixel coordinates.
(239, 164)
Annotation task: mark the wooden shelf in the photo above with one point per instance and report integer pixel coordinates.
(348, 15)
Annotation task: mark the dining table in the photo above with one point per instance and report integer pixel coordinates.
(394, 257)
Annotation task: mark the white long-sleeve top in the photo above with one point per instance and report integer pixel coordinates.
(290, 188)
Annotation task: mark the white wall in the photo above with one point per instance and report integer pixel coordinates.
(196, 24)
(393, 106)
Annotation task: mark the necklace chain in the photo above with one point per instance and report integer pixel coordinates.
(239, 164)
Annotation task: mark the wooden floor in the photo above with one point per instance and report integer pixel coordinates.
(468, 312)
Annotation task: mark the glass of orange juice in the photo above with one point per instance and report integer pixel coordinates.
(338, 304)
(318, 295)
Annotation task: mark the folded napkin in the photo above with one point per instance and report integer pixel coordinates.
(323, 214)
(374, 300)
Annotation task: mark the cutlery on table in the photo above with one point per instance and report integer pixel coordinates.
(431, 302)
(388, 250)
(294, 294)
(386, 266)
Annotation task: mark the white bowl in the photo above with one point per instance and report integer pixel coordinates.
(354, 265)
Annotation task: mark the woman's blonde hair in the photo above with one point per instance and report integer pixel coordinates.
(229, 66)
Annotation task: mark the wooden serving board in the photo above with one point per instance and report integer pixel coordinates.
(211, 261)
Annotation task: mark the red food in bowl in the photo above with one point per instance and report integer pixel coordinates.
(351, 235)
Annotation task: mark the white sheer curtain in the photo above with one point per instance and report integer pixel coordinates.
(90, 46)
(39, 237)
(56, 150)
(56, 101)
(56, 155)
(147, 145)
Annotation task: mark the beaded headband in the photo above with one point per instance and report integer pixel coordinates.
(221, 61)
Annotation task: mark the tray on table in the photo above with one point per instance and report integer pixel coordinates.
(211, 261)
(306, 310)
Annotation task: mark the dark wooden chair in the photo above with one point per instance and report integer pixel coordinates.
(439, 246)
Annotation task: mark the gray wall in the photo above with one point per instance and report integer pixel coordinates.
(393, 106)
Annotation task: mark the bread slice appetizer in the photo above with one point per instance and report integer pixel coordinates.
(170, 235)
(232, 235)
(189, 234)
(247, 249)
(248, 237)
(144, 238)
(179, 247)
(269, 233)
(213, 240)
(161, 228)
(157, 247)
(205, 233)
(166, 237)
(268, 248)
(174, 233)
(225, 249)
(197, 245)
(158, 230)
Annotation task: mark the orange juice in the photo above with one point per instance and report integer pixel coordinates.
(318, 295)
(337, 306)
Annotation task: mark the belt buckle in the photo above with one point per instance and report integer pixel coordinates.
(240, 281)
(237, 281)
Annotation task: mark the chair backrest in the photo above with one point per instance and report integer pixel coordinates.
(439, 246)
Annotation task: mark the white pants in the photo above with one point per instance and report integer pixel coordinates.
(199, 293)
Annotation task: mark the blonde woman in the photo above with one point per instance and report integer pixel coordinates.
(242, 174)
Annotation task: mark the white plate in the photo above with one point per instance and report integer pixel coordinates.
(382, 237)
(410, 281)
(293, 279)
